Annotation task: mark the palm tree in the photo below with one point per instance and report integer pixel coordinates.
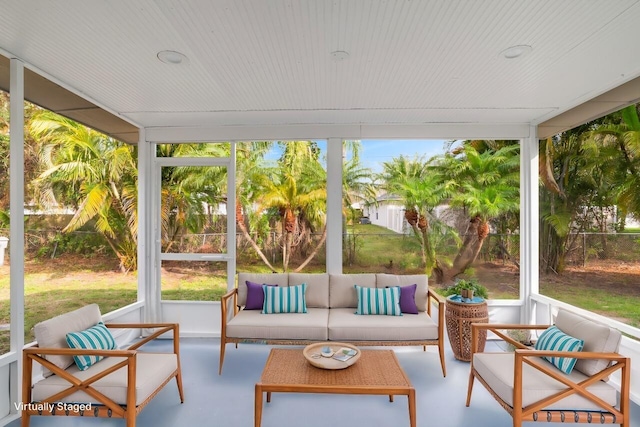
(93, 173)
(485, 185)
(422, 189)
(297, 190)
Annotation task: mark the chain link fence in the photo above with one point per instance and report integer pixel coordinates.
(504, 248)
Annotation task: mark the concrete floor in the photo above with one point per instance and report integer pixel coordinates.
(227, 400)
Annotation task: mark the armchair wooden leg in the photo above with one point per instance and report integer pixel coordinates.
(442, 363)
(223, 345)
(179, 382)
(470, 387)
(24, 422)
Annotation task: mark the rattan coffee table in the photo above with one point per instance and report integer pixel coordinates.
(377, 372)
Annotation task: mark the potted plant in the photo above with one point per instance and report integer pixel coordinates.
(467, 289)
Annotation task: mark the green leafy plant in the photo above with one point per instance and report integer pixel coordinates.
(467, 284)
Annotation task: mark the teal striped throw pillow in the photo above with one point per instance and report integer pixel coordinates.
(554, 339)
(284, 299)
(378, 300)
(96, 337)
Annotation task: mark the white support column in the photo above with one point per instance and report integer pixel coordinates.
(334, 206)
(529, 223)
(231, 218)
(16, 235)
(148, 286)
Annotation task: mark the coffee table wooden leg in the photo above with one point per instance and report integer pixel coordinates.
(391, 398)
(412, 407)
(258, 406)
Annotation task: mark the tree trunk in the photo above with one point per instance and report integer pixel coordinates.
(314, 252)
(469, 251)
(423, 252)
(254, 245)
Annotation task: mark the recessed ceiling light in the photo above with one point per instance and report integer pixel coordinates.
(339, 55)
(514, 52)
(172, 57)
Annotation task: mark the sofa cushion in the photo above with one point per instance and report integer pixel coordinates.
(290, 299)
(408, 299)
(497, 370)
(421, 281)
(317, 288)
(342, 293)
(96, 337)
(346, 326)
(152, 369)
(52, 333)
(251, 324)
(555, 340)
(280, 279)
(597, 337)
(385, 301)
(255, 295)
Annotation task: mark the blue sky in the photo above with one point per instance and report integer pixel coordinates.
(376, 151)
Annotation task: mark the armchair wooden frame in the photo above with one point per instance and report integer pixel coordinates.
(107, 407)
(537, 411)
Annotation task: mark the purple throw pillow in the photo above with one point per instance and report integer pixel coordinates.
(255, 296)
(408, 299)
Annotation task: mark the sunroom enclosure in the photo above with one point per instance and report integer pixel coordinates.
(202, 318)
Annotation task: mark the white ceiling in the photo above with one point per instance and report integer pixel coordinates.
(268, 62)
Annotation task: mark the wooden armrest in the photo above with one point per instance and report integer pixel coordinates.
(572, 354)
(161, 328)
(436, 296)
(439, 300)
(232, 293)
(492, 326)
(224, 304)
(497, 328)
(78, 352)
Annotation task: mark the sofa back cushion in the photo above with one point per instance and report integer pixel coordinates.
(317, 288)
(342, 293)
(52, 333)
(280, 279)
(597, 337)
(421, 280)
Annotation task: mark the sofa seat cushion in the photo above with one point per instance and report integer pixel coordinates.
(345, 325)
(251, 324)
(497, 370)
(152, 370)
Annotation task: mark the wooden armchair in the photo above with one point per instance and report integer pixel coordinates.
(119, 385)
(532, 389)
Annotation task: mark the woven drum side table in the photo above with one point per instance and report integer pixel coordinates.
(459, 317)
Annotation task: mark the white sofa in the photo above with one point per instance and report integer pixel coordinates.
(331, 303)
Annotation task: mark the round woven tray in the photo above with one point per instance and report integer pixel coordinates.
(311, 351)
